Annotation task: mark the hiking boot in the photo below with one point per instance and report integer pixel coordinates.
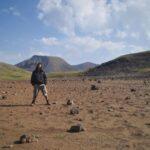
(48, 103)
(32, 104)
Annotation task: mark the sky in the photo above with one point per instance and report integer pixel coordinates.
(76, 30)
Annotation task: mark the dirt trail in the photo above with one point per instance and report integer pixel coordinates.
(116, 116)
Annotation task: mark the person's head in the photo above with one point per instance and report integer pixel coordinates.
(38, 67)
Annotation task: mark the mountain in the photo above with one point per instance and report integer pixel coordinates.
(84, 66)
(52, 64)
(10, 72)
(132, 64)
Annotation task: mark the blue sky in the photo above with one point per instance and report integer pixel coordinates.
(76, 30)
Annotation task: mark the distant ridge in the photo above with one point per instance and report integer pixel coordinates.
(84, 66)
(53, 64)
(132, 64)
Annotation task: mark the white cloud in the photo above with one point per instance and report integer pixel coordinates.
(11, 10)
(135, 35)
(92, 16)
(51, 41)
(118, 26)
(91, 44)
(66, 15)
(121, 34)
(86, 44)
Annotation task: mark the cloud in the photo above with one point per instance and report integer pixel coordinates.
(91, 16)
(92, 26)
(11, 10)
(50, 41)
(66, 15)
(121, 34)
(86, 44)
(90, 44)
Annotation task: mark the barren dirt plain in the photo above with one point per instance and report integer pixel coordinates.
(116, 116)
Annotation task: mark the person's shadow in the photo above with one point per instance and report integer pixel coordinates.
(15, 105)
(19, 105)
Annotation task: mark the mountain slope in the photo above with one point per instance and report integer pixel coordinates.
(10, 72)
(52, 64)
(131, 64)
(84, 66)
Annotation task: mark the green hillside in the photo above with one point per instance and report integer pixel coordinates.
(10, 72)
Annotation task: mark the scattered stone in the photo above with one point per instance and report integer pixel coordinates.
(147, 124)
(2, 135)
(49, 108)
(91, 111)
(93, 87)
(118, 115)
(76, 128)
(41, 113)
(8, 146)
(70, 102)
(98, 81)
(74, 111)
(4, 92)
(95, 79)
(137, 132)
(25, 139)
(145, 82)
(147, 102)
(54, 103)
(35, 138)
(123, 145)
(2, 97)
(127, 98)
(83, 79)
(133, 90)
(110, 108)
(28, 139)
(121, 107)
(142, 114)
(79, 119)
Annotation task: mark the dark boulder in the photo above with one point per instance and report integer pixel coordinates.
(76, 128)
(74, 111)
(94, 87)
(2, 97)
(70, 102)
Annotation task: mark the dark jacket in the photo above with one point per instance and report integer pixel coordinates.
(38, 77)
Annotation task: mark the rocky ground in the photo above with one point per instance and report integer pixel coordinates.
(115, 115)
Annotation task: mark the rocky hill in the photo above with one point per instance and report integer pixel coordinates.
(53, 64)
(84, 66)
(132, 64)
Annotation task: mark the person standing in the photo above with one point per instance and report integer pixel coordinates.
(39, 81)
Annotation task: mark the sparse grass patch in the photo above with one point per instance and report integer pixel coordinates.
(60, 136)
(143, 70)
(65, 74)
